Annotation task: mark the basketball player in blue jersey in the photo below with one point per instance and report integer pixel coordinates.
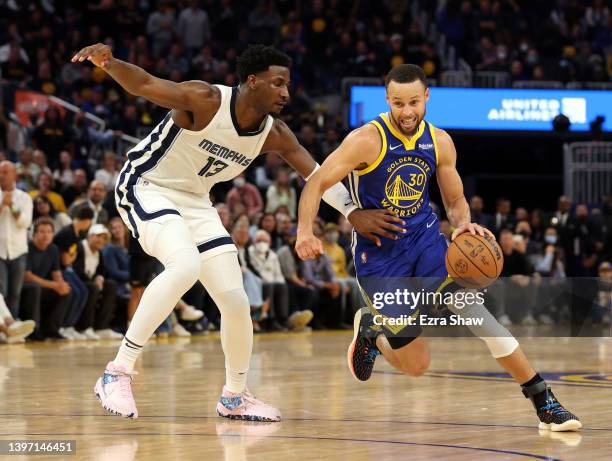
(211, 134)
(391, 162)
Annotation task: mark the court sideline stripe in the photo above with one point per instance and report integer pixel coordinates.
(434, 423)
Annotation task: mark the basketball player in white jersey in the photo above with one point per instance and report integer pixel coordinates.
(211, 134)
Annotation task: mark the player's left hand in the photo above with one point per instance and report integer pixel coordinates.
(374, 223)
(473, 229)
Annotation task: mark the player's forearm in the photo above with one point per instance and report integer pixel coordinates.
(458, 212)
(309, 204)
(132, 78)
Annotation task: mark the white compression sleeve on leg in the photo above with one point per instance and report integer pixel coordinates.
(173, 245)
(498, 339)
(222, 277)
(337, 196)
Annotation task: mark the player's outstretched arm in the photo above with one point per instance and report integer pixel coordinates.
(137, 81)
(451, 188)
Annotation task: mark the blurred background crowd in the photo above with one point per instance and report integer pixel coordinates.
(68, 267)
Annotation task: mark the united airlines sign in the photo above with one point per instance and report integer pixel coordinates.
(494, 109)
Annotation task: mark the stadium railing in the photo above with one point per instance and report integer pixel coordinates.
(587, 170)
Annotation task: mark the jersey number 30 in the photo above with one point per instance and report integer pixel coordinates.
(218, 165)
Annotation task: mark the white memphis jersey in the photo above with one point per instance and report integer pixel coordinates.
(193, 161)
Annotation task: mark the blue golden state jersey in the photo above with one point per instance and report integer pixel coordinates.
(399, 178)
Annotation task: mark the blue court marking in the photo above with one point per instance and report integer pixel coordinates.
(590, 379)
(290, 437)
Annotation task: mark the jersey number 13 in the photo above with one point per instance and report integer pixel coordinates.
(217, 167)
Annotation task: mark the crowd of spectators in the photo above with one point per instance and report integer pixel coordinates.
(328, 40)
(563, 40)
(66, 260)
(78, 275)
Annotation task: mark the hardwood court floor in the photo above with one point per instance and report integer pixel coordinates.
(461, 410)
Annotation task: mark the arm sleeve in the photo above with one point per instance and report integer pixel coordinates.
(337, 196)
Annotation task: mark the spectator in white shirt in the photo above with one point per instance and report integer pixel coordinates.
(265, 262)
(15, 218)
(108, 174)
(281, 193)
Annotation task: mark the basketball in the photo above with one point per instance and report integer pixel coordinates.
(474, 261)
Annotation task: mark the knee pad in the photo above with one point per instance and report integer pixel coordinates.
(233, 303)
(185, 263)
(501, 346)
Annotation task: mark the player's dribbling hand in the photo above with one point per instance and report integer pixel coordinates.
(374, 223)
(473, 229)
(308, 247)
(99, 54)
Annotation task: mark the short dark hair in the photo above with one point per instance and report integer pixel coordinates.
(43, 221)
(84, 212)
(258, 58)
(406, 73)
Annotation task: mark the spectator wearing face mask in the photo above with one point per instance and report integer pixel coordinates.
(549, 264)
(244, 196)
(265, 261)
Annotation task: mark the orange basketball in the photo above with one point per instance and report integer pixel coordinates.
(474, 261)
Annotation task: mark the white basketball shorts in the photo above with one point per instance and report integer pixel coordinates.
(143, 202)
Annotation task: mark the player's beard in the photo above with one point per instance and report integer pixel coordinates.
(412, 131)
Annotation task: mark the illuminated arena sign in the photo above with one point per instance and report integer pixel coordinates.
(494, 109)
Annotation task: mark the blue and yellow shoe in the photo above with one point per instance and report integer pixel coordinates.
(553, 416)
(362, 351)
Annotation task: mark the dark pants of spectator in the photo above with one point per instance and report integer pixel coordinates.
(48, 306)
(100, 306)
(78, 298)
(329, 311)
(30, 306)
(11, 281)
(278, 294)
(301, 298)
